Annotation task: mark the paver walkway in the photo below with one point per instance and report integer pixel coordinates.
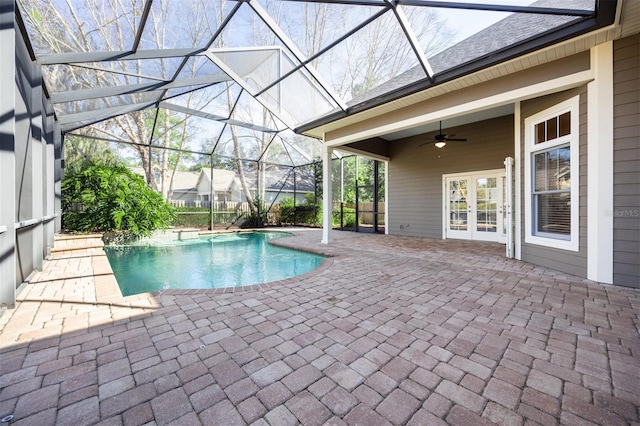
(391, 330)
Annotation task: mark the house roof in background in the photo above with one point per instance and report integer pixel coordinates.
(223, 180)
(182, 181)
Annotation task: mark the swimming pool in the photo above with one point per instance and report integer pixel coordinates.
(215, 261)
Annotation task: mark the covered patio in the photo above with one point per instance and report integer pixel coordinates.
(390, 330)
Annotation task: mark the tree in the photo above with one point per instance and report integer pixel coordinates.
(359, 63)
(369, 57)
(109, 25)
(104, 198)
(81, 153)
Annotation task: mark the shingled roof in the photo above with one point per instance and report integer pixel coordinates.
(508, 32)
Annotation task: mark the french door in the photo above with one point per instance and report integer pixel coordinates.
(474, 206)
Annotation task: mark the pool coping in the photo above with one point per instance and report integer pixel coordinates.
(107, 290)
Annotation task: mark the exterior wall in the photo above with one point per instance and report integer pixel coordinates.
(626, 168)
(415, 172)
(203, 187)
(29, 155)
(561, 260)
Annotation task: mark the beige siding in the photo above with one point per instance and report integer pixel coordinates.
(415, 172)
(626, 190)
(561, 260)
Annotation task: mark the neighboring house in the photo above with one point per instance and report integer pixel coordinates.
(560, 102)
(278, 184)
(292, 185)
(226, 186)
(181, 188)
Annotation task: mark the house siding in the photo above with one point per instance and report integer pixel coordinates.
(626, 158)
(562, 260)
(415, 172)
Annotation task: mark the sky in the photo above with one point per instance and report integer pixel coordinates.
(469, 22)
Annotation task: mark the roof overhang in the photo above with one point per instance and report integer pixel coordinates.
(571, 39)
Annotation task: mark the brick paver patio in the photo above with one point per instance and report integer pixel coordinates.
(390, 330)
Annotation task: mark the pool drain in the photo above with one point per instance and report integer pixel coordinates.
(7, 419)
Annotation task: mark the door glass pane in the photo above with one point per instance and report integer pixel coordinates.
(458, 205)
(486, 204)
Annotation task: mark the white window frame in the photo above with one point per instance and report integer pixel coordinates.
(531, 148)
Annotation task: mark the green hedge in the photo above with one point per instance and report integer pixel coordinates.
(349, 217)
(200, 217)
(299, 214)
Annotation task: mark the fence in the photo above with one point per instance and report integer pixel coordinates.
(197, 214)
(217, 205)
(365, 210)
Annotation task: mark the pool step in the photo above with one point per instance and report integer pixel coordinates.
(72, 242)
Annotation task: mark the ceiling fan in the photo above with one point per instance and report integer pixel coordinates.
(441, 139)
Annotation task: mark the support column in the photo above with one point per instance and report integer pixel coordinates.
(37, 161)
(327, 197)
(7, 155)
(58, 175)
(518, 218)
(600, 166)
(48, 178)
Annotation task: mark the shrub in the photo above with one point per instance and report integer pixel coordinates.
(348, 217)
(287, 211)
(112, 198)
(299, 214)
(257, 218)
(192, 217)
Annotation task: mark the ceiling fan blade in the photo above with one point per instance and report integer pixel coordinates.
(441, 137)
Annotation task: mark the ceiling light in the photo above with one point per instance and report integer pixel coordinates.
(440, 144)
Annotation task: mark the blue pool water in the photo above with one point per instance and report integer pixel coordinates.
(215, 261)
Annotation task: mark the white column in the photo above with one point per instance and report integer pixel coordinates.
(386, 198)
(600, 166)
(508, 205)
(327, 198)
(517, 182)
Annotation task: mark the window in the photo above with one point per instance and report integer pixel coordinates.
(551, 172)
